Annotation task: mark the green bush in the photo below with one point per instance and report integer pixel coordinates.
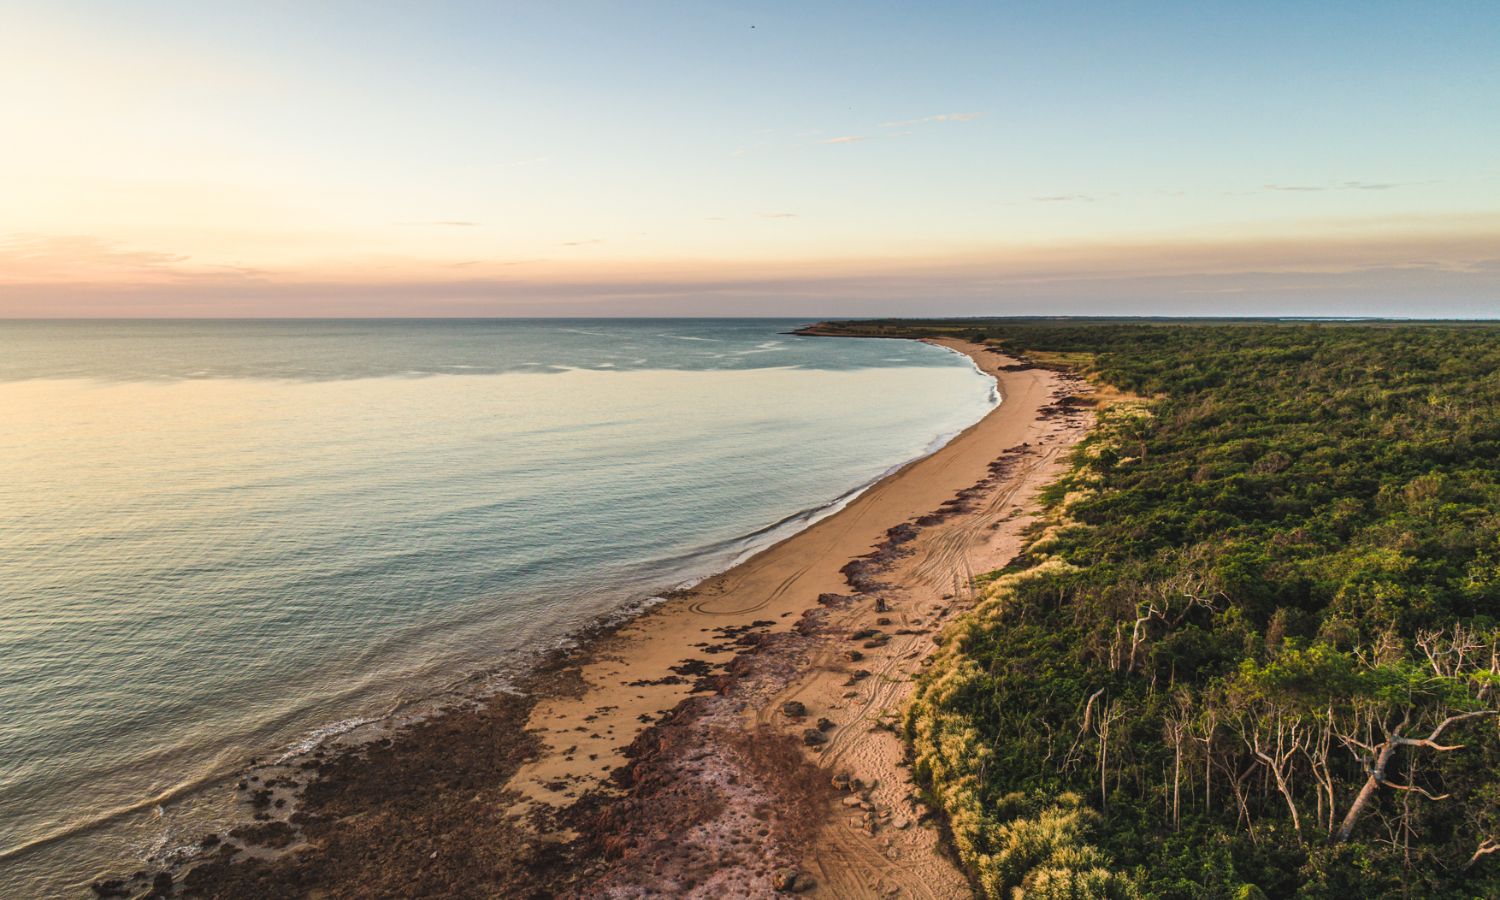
(1245, 587)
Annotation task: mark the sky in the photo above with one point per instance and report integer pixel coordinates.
(324, 158)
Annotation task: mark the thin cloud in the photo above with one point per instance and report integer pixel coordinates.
(467, 263)
(36, 257)
(846, 139)
(778, 215)
(444, 223)
(1143, 287)
(1341, 186)
(40, 259)
(942, 117)
(53, 249)
(1065, 198)
(583, 243)
(1453, 270)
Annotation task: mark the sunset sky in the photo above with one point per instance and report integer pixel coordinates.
(701, 158)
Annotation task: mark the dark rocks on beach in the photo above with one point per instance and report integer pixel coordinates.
(812, 737)
(863, 574)
(700, 669)
(355, 836)
(864, 634)
(901, 534)
(268, 834)
(790, 881)
(860, 574)
(825, 724)
(793, 709)
(842, 781)
(881, 605)
(858, 675)
(854, 655)
(785, 879)
(160, 886)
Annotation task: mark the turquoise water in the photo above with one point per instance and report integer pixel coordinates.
(219, 539)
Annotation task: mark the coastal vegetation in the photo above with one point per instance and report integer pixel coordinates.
(1252, 648)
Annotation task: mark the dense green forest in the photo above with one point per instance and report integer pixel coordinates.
(1255, 648)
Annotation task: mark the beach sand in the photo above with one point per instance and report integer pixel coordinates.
(663, 759)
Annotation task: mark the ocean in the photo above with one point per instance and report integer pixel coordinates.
(220, 540)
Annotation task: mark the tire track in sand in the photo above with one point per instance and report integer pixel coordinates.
(874, 843)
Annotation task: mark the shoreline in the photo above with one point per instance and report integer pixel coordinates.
(583, 739)
(209, 792)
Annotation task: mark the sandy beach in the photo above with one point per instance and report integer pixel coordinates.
(740, 739)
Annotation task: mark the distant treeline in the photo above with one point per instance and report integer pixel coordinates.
(1254, 650)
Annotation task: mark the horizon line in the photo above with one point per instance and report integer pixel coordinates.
(1312, 319)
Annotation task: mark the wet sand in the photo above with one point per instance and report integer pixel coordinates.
(669, 757)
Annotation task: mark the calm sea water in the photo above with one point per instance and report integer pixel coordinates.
(217, 539)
